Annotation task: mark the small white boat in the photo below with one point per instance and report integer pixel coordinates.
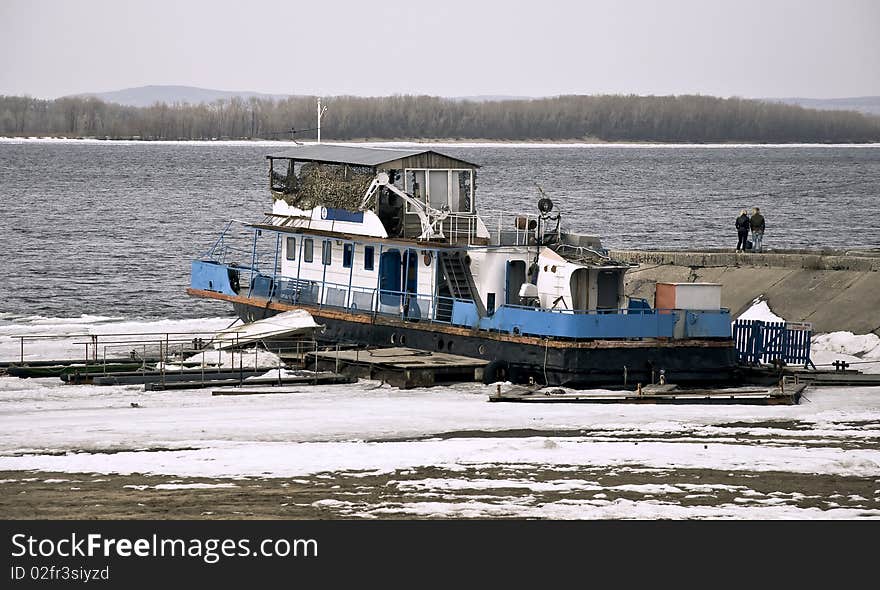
(297, 322)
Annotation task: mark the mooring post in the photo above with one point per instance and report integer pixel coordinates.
(639, 389)
(162, 363)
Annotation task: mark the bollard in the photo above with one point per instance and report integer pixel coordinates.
(639, 389)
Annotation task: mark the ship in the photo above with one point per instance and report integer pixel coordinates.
(388, 247)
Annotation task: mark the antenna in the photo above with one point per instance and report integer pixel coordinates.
(320, 114)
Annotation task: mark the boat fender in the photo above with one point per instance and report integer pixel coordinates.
(496, 371)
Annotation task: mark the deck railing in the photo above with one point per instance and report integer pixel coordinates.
(635, 321)
(353, 298)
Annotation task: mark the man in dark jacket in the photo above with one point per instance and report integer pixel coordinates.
(757, 224)
(742, 230)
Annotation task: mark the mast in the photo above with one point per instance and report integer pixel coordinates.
(320, 114)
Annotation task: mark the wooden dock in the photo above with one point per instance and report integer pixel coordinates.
(819, 378)
(316, 379)
(654, 394)
(400, 367)
(137, 378)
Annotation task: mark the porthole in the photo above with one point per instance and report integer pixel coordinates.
(553, 268)
(482, 349)
(402, 339)
(516, 330)
(394, 338)
(449, 346)
(440, 344)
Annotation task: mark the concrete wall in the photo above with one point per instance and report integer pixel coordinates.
(834, 291)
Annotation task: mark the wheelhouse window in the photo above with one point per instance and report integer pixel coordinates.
(441, 188)
(347, 255)
(369, 252)
(308, 250)
(326, 252)
(290, 248)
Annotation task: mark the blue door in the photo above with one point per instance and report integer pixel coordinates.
(389, 280)
(410, 276)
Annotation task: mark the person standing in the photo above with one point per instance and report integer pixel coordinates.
(742, 230)
(757, 224)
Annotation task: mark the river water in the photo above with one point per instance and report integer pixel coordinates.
(109, 228)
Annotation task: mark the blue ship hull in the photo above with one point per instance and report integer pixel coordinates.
(569, 363)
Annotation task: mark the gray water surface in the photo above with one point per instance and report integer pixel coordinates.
(111, 228)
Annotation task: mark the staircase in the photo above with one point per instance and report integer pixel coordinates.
(459, 282)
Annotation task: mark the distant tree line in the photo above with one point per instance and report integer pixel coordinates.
(604, 118)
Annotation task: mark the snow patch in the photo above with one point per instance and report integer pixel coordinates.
(759, 310)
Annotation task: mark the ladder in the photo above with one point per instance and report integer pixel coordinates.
(459, 281)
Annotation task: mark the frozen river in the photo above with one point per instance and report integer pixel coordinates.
(369, 450)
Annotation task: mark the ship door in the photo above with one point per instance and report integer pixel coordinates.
(609, 290)
(411, 269)
(516, 276)
(579, 284)
(389, 281)
(411, 307)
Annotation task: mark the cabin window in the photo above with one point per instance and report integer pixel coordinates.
(368, 257)
(291, 248)
(438, 188)
(308, 250)
(441, 188)
(416, 185)
(461, 191)
(327, 252)
(347, 255)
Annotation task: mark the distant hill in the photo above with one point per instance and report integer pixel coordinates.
(144, 96)
(869, 105)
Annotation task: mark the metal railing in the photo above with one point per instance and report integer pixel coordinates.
(354, 298)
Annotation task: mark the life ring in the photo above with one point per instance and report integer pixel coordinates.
(496, 371)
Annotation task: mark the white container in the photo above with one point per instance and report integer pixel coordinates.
(697, 296)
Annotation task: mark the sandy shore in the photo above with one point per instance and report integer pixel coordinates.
(536, 492)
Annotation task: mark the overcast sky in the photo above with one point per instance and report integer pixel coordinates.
(748, 48)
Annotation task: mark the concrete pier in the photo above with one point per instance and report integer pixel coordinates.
(835, 290)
